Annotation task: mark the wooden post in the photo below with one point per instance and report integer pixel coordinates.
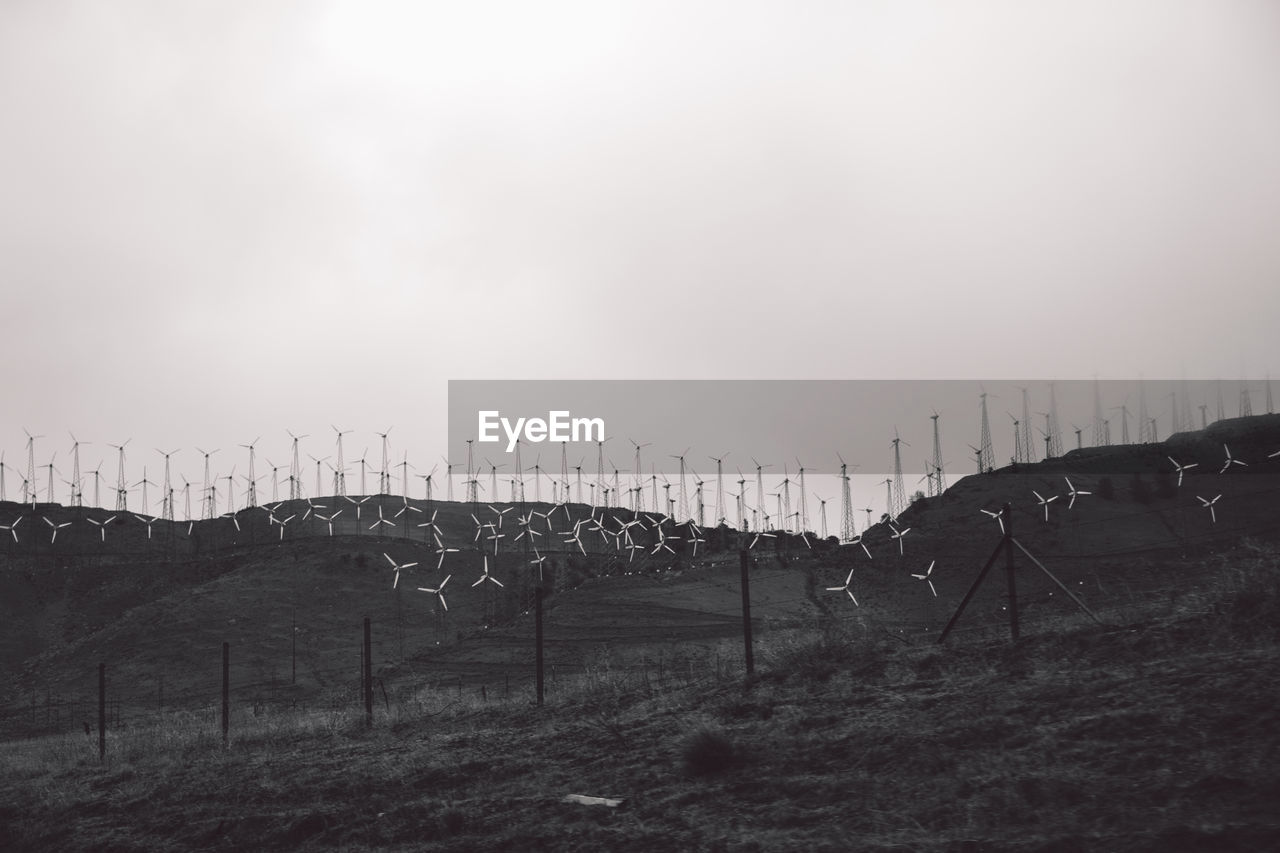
(102, 712)
(226, 692)
(293, 655)
(746, 614)
(537, 639)
(1009, 570)
(368, 675)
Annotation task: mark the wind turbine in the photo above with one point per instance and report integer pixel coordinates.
(340, 470)
(295, 470)
(122, 491)
(925, 577)
(899, 535)
(166, 503)
(1182, 468)
(77, 487)
(1208, 504)
(384, 476)
(486, 576)
(102, 526)
(397, 568)
(56, 528)
(1044, 502)
(1073, 492)
(760, 494)
(1230, 461)
(848, 581)
(997, 516)
(684, 503)
(438, 591)
(638, 472)
(252, 494)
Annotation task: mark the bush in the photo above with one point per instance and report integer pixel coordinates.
(707, 752)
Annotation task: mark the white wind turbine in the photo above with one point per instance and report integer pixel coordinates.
(252, 494)
(438, 592)
(1230, 461)
(925, 577)
(997, 516)
(486, 576)
(1044, 502)
(102, 526)
(56, 528)
(397, 568)
(12, 529)
(1208, 504)
(899, 535)
(1074, 493)
(1181, 468)
(848, 581)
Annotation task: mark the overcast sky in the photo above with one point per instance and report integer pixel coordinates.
(220, 220)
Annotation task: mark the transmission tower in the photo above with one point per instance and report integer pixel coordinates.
(472, 496)
(252, 493)
(985, 453)
(1246, 406)
(77, 488)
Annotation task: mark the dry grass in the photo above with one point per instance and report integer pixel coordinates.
(1161, 735)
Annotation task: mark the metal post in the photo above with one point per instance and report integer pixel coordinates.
(368, 675)
(102, 712)
(1009, 570)
(746, 614)
(226, 691)
(537, 638)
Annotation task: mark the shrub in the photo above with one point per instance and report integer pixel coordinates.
(707, 752)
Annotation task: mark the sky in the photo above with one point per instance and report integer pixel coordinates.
(221, 220)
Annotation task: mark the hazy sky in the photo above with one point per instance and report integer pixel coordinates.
(220, 220)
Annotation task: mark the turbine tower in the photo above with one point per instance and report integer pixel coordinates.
(340, 470)
(719, 485)
(899, 503)
(1144, 428)
(937, 457)
(684, 499)
(985, 453)
(1097, 414)
(29, 484)
(166, 500)
(1028, 448)
(207, 497)
(846, 503)
(252, 494)
(295, 471)
(384, 475)
(1055, 430)
(122, 489)
(77, 487)
(1246, 407)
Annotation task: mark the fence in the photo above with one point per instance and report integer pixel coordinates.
(729, 600)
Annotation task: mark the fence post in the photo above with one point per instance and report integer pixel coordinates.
(537, 634)
(368, 675)
(102, 712)
(1009, 570)
(226, 692)
(746, 614)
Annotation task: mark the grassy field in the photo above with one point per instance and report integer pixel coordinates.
(1162, 734)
